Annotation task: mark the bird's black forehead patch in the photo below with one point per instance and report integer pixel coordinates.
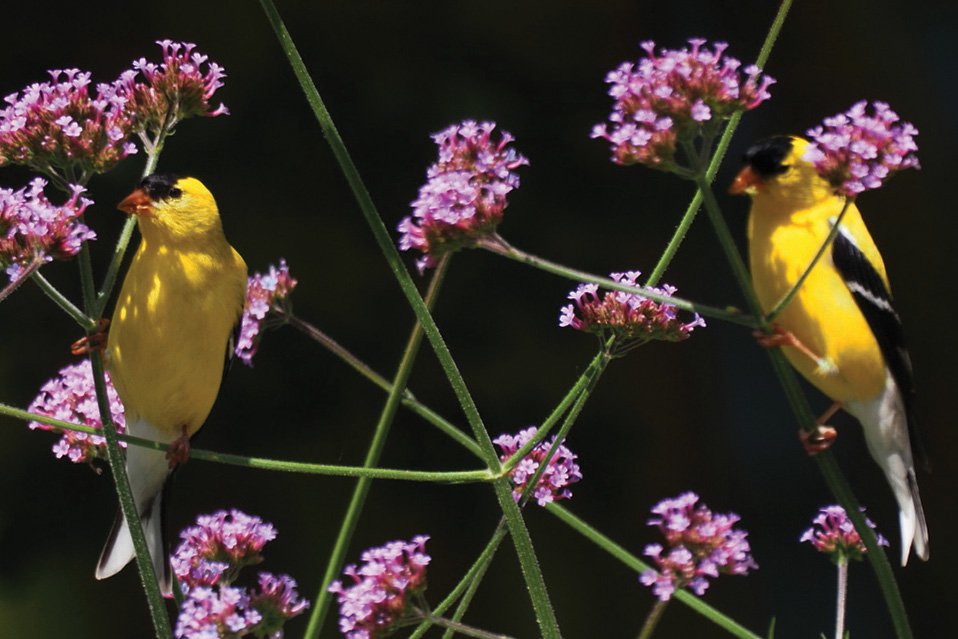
(766, 156)
(161, 186)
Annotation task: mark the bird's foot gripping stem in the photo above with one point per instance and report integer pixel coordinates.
(93, 343)
(782, 337)
(179, 450)
(822, 437)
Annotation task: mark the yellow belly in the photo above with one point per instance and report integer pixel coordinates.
(169, 333)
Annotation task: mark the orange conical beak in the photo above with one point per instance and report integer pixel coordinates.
(747, 181)
(137, 203)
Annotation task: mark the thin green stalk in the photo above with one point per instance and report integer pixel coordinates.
(535, 584)
(462, 629)
(653, 619)
(841, 596)
(826, 462)
(408, 399)
(637, 565)
(787, 298)
(499, 246)
(26, 273)
(61, 300)
(324, 598)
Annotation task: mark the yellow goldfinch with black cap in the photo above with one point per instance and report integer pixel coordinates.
(169, 339)
(840, 331)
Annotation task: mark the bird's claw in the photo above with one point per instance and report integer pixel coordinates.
(178, 451)
(93, 343)
(818, 440)
(825, 366)
(782, 337)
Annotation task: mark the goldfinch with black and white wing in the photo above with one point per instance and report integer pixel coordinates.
(841, 330)
(168, 341)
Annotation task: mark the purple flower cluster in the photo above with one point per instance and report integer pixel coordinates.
(59, 128)
(558, 475)
(857, 150)
(631, 317)
(465, 196)
(71, 397)
(265, 294)
(207, 562)
(33, 229)
(385, 589)
(700, 544)
(834, 534)
(668, 98)
(177, 88)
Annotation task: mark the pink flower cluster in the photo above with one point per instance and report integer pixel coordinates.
(59, 128)
(668, 98)
(701, 544)
(265, 293)
(465, 195)
(834, 534)
(33, 229)
(207, 562)
(385, 589)
(631, 317)
(560, 472)
(71, 397)
(857, 150)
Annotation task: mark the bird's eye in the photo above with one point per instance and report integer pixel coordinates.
(175, 193)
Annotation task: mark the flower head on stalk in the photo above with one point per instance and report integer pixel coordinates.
(561, 471)
(385, 589)
(465, 195)
(834, 534)
(674, 97)
(34, 230)
(700, 544)
(267, 297)
(61, 129)
(862, 148)
(631, 317)
(71, 397)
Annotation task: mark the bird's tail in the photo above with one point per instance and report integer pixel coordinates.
(148, 471)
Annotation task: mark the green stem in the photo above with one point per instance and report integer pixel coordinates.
(841, 596)
(335, 563)
(25, 273)
(637, 565)
(61, 300)
(408, 399)
(787, 298)
(460, 628)
(653, 619)
(520, 536)
(499, 246)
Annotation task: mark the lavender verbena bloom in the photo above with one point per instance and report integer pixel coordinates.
(700, 544)
(277, 601)
(465, 196)
(631, 317)
(60, 129)
(858, 150)
(33, 229)
(223, 612)
(71, 397)
(558, 475)
(386, 589)
(177, 88)
(834, 534)
(266, 297)
(672, 97)
(218, 546)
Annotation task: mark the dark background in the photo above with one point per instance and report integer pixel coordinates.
(705, 415)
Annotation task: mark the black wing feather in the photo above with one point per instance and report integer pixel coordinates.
(874, 300)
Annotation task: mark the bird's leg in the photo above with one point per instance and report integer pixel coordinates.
(782, 337)
(179, 450)
(823, 436)
(94, 343)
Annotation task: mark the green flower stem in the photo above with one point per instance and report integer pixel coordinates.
(545, 615)
(841, 596)
(637, 565)
(60, 300)
(25, 273)
(826, 461)
(653, 619)
(324, 598)
(408, 399)
(499, 246)
(787, 298)
(586, 380)
(460, 628)
(469, 582)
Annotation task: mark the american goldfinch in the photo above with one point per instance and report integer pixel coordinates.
(840, 331)
(169, 339)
